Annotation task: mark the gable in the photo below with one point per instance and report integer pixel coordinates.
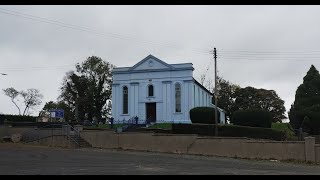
(151, 62)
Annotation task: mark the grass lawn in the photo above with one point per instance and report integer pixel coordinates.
(284, 127)
(104, 126)
(161, 126)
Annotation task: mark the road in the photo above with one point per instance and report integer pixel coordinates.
(19, 159)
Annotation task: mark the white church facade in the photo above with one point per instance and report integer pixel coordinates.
(155, 91)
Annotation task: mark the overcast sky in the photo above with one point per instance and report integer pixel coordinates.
(269, 47)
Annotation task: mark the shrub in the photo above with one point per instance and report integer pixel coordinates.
(201, 129)
(252, 132)
(253, 118)
(204, 115)
(229, 131)
(17, 118)
(285, 127)
(311, 123)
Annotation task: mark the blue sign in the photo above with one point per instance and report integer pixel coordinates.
(57, 113)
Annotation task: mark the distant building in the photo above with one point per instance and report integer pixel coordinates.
(158, 92)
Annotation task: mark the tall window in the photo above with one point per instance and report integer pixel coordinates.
(199, 97)
(194, 95)
(178, 97)
(150, 90)
(125, 100)
(202, 98)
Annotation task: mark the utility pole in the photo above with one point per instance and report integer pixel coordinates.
(215, 92)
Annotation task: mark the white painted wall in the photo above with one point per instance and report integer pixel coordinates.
(163, 77)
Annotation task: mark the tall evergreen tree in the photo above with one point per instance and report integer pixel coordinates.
(307, 103)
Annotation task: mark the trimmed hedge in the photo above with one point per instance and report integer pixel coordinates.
(41, 124)
(253, 118)
(204, 115)
(17, 118)
(230, 131)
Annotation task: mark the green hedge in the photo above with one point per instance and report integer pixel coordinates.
(229, 131)
(17, 118)
(41, 124)
(311, 123)
(204, 115)
(253, 118)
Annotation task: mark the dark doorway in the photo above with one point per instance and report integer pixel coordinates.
(151, 112)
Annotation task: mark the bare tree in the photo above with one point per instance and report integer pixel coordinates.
(202, 79)
(209, 84)
(32, 97)
(12, 93)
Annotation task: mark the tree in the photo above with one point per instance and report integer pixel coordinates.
(307, 103)
(31, 98)
(252, 98)
(12, 93)
(68, 115)
(88, 90)
(226, 92)
(202, 79)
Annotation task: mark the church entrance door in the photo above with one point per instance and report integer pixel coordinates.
(151, 112)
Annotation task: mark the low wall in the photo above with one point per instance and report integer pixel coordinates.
(229, 147)
(4, 131)
(280, 150)
(317, 138)
(156, 142)
(8, 131)
(317, 152)
(55, 141)
(241, 147)
(217, 146)
(100, 139)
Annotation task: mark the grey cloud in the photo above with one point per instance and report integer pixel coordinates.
(175, 34)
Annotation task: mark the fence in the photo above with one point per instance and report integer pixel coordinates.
(36, 134)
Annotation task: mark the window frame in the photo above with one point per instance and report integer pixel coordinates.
(125, 106)
(148, 90)
(176, 99)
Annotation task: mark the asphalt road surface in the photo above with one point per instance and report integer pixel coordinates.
(19, 159)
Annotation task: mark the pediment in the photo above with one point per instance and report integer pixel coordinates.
(151, 62)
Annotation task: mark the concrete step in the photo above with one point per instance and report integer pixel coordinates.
(82, 142)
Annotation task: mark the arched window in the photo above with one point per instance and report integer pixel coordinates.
(125, 100)
(150, 90)
(178, 97)
(202, 98)
(194, 96)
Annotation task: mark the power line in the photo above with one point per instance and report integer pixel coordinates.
(263, 52)
(226, 54)
(23, 66)
(245, 56)
(265, 59)
(35, 68)
(90, 30)
(270, 55)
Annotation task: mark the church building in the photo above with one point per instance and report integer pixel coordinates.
(155, 91)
